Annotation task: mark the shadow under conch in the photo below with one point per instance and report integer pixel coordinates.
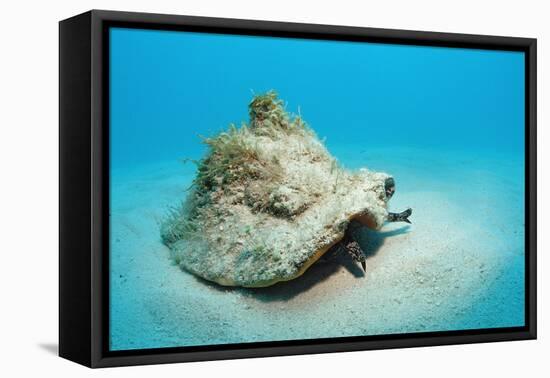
(370, 241)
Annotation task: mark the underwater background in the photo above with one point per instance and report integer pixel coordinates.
(446, 123)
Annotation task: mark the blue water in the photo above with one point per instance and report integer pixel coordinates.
(458, 112)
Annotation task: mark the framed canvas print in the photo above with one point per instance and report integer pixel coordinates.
(234, 188)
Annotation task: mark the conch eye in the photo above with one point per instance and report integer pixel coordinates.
(389, 187)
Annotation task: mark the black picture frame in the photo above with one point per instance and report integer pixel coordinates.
(84, 188)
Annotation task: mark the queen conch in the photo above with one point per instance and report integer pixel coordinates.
(269, 200)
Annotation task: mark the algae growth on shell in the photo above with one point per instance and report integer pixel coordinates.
(268, 200)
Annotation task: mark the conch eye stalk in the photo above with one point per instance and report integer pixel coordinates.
(389, 187)
(268, 201)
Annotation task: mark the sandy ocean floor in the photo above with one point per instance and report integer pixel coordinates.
(460, 265)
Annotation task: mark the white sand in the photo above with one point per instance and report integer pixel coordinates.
(459, 266)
